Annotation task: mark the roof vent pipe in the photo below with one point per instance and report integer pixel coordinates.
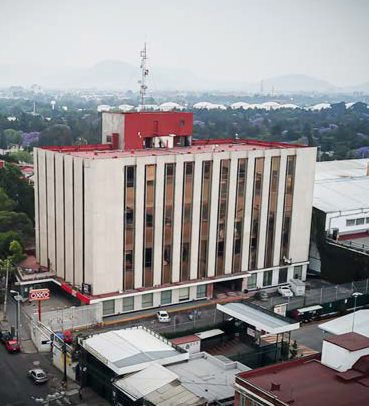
(275, 387)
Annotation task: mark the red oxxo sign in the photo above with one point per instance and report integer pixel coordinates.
(39, 294)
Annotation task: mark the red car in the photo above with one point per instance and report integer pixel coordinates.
(12, 346)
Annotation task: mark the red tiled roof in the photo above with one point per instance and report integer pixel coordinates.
(185, 340)
(350, 341)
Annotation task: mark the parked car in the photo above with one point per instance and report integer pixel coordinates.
(5, 335)
(12, 346)
(285, 291)
(262, 295)
(163, 316)
(38, 375)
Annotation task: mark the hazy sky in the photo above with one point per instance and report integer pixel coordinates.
(223, 39)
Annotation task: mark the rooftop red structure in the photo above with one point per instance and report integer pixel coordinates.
(136, 132)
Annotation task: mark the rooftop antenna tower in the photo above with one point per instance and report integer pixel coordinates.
(144, 74)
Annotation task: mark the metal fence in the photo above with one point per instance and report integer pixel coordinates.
(321, 295)
(72, 318)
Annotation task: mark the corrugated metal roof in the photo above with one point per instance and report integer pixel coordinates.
(140, 384)
(174, 394)
(131, 349)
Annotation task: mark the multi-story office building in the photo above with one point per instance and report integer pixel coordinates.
(152, 217)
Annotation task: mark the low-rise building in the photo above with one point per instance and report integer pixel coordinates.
(339, 376)
(136, 365)
(340, 229)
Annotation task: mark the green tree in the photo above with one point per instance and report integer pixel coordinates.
(293, 350)
(5, 240)
(12, 137)
(22, 156)
(16, 250)
(18, 222)
(6, 203)
(17, 189)
(55, 135)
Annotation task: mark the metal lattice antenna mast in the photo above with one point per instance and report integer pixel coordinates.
(144, 74)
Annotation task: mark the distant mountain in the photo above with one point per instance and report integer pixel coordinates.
(119, 75)
(295, 83)
(110, 74)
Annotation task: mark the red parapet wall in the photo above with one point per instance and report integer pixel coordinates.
(76, 148)
(257, 143)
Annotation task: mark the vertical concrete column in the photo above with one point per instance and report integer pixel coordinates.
(213, 215)
(139, 218)
(232, 189)
(280, 204)
(247, 212)
(159, 211)
(51, 208)
(196, 204)
(177, 219)
(264, 210)
(60, 209)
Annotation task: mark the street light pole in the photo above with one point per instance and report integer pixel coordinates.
(18, 298)
(355, 295)
(6, 290)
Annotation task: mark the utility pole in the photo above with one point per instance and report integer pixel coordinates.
(18, 298)
(6, 289)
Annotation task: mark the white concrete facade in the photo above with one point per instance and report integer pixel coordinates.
(80, 219)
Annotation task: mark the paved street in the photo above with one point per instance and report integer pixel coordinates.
(16, 389)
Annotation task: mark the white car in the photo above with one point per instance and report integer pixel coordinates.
(163, 317)
(285, 291)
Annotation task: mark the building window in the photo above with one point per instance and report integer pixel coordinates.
(287, 206)
(367, 220)
(350, 223)
(360, 222)
(186, 220)
(108, 307)
(149, 217)
(166, 297)
(201, 291)
(267, 278)
(129, 226)
(255, 213)
(169, 183)
(297, 272)
(128, 304)
(282, 277)
(251, 281)
(222, 215)
(239, 215)
(184, 294)
(204, 218)
(147, 300)
(272, 210)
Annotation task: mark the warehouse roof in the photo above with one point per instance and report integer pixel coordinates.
(132, 349)
(343, 194)
(347, 168)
